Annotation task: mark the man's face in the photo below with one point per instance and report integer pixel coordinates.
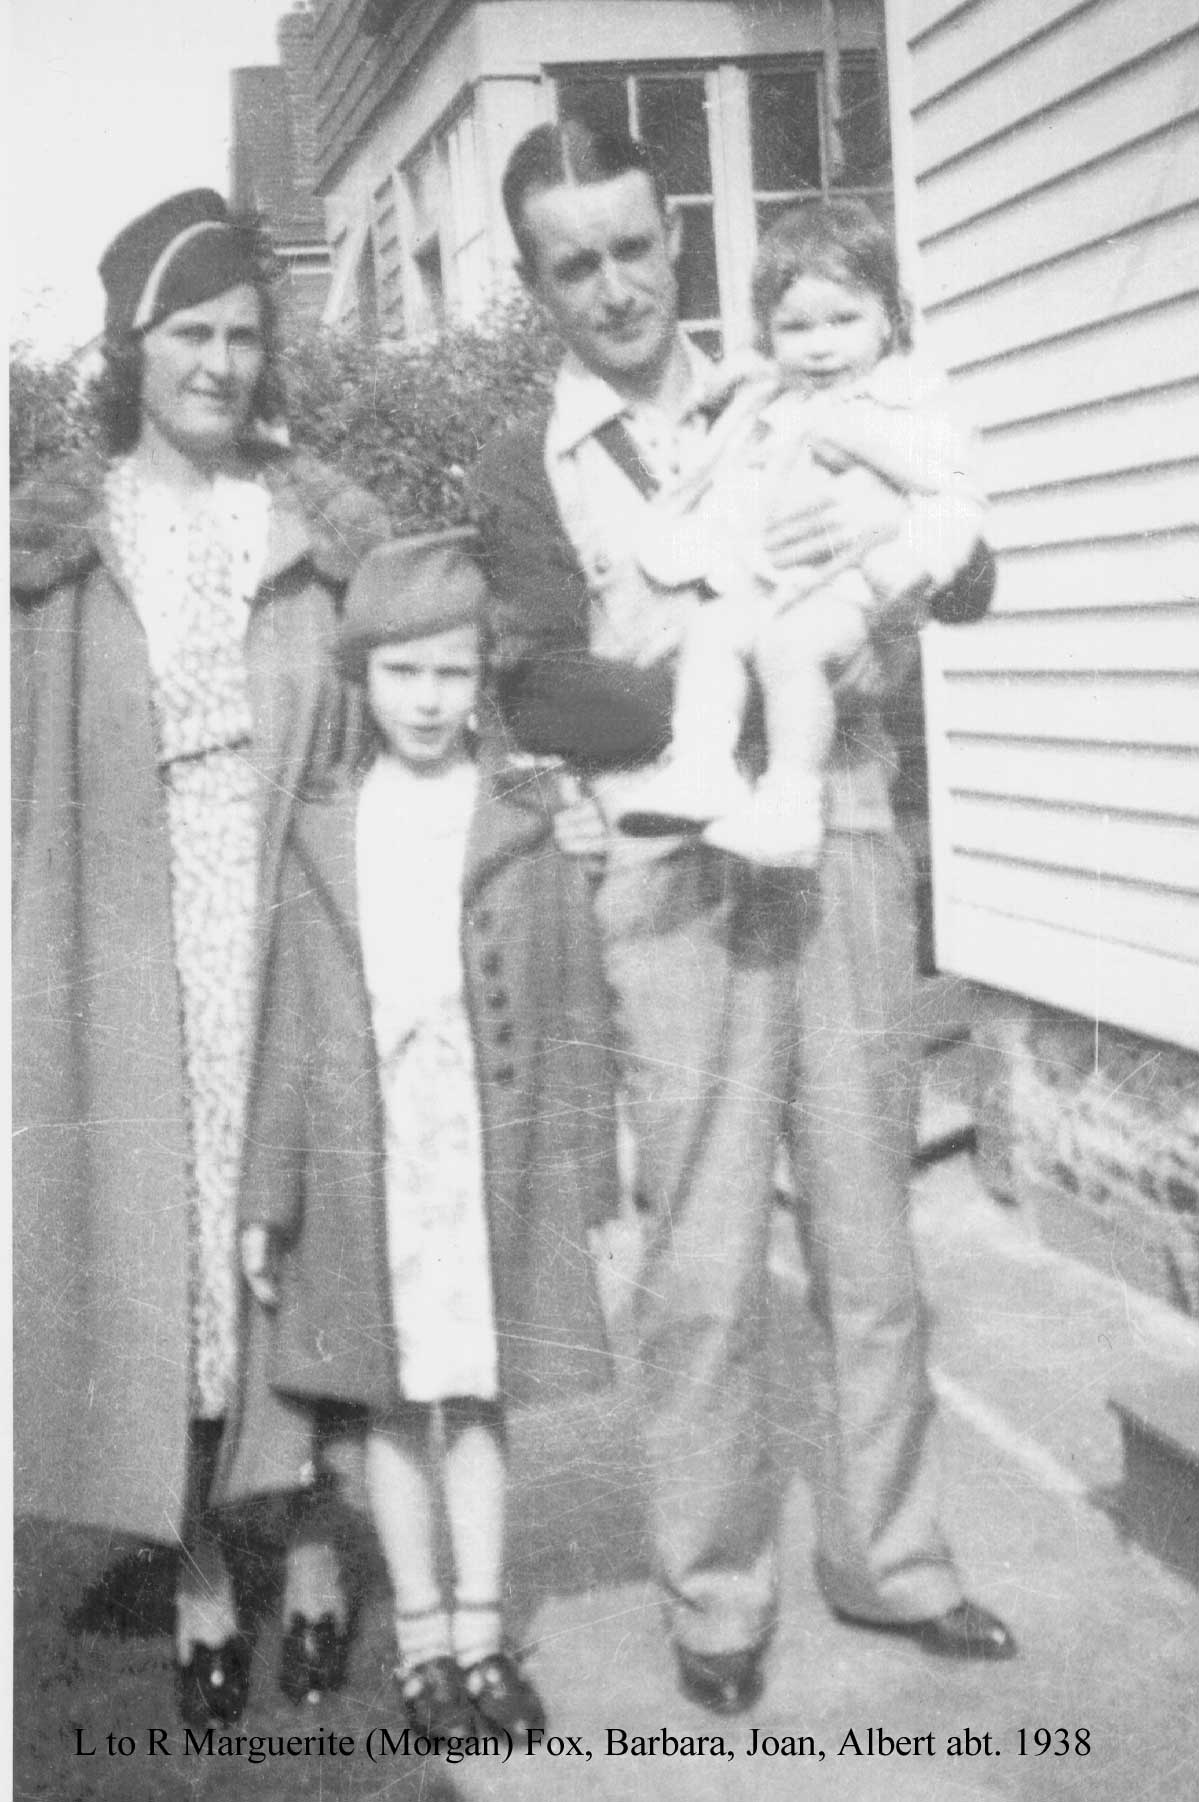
(602, 263)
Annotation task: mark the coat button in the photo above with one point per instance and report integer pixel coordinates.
(484, 919)
(505, 1073)
(505, 1032)
(492, 963)
(496, 998)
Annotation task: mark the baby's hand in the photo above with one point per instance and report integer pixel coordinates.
(260, 1264)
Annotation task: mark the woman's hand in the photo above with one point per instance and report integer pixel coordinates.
(839, 523)
(260, 1264)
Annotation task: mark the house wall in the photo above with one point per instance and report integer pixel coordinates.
(383, 101)
(1047, 162)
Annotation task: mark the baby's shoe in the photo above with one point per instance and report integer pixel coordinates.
(684, 796)
(780, 825)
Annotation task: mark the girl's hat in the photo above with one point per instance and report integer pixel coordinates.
(410, 588)
(181, 253)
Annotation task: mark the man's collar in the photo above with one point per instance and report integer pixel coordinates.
(583, 401)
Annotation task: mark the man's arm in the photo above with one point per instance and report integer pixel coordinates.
(555, 697)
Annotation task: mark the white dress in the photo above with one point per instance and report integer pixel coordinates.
(192, 565)
(411, 853)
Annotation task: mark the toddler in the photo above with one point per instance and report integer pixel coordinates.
(838, 390)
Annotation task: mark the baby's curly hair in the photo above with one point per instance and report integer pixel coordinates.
(840, 241)
(117, 391)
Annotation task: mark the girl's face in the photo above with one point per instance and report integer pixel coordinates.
(422, 693)
(825, 334)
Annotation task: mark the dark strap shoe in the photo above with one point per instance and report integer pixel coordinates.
(435, 1701)
(214, 1684)
(313, 1658)
(963, 1631)
(503, 1697)
(723, 1682)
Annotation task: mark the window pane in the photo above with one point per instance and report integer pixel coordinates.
(865, 139)
(699, 292)
(673, 121)
(600, 101)
(785, 122)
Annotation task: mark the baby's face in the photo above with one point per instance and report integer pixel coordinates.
(825, 334)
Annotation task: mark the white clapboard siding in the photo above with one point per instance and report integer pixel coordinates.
(1132, 353)
(1144, 991)
(1042, 72)
(1066, 774)
(1161, 640)
(1110, 709)
(1101, 572)
(1144, 501)
(1120, 913)
(1157, 260)
(1085, 207)
(971, 40)
(1136, 431)
(1049, 145)
(1052, 237)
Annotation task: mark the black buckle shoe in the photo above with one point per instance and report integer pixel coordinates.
(724, 1682)
(503, 1696)
(435, 1700)
(963, 1631)
(313, 1658)
(214, 1684)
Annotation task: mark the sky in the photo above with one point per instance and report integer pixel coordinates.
(113, 105)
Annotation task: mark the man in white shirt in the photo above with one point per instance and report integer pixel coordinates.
(701, 953)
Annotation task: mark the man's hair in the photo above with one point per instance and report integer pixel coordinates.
(569, 154)
(839, 241)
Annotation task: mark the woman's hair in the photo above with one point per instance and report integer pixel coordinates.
(839, 241)
(117, 391)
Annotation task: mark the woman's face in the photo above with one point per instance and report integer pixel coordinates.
(200, 369)
(422, 693)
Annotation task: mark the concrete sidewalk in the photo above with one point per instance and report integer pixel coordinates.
(1024, 1344)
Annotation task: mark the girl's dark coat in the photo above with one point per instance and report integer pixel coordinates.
(314, 1160)
(101, 1154)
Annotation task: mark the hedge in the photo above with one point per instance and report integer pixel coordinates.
(404, 419)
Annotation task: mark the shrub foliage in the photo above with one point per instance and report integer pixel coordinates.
(405, 419)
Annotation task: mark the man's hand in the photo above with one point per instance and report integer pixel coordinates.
(837, 525)
(260, 1264)
(579, 826)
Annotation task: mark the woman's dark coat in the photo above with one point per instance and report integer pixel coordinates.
(100, 1199)
(314, 1149)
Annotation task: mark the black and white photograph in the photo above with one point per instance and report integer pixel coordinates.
(584, 1226)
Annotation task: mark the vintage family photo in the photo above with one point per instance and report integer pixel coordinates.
(605, 941)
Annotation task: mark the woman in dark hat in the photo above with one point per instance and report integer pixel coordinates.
(175, 612)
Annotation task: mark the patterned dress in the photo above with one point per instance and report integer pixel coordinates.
(192, 565)
(411, 853)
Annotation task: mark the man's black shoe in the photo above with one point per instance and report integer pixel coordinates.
(725, 1682)
(964, 1631)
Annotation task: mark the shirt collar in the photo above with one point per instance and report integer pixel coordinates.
(583, 401)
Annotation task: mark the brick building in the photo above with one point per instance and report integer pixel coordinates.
(273, 163)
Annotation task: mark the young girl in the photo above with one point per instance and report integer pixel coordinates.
(838, 391)
(431, 1129)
